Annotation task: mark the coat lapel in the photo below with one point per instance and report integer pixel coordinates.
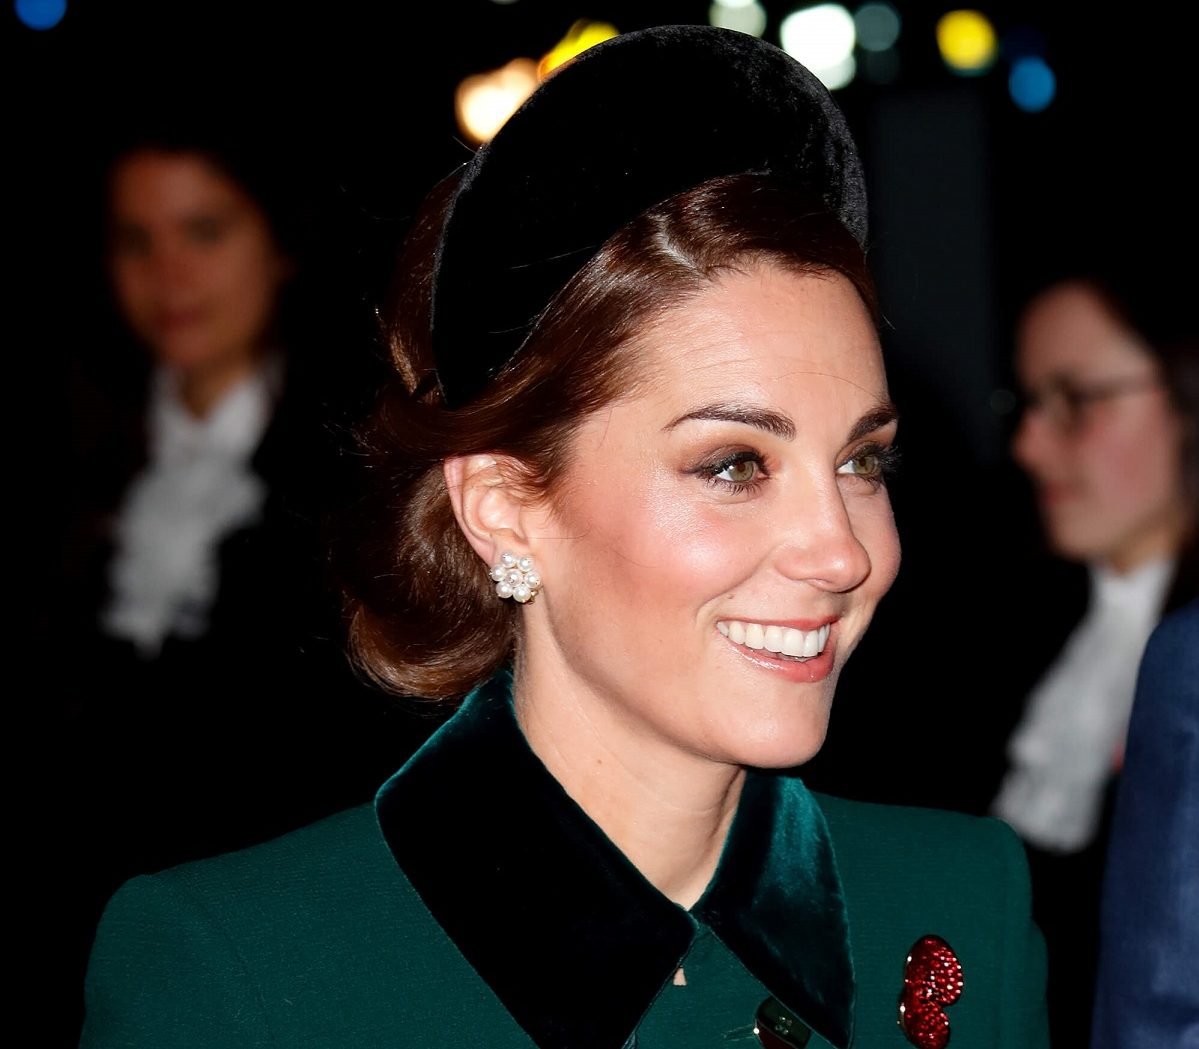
(565, 930)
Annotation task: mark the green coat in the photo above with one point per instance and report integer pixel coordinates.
(476, 904)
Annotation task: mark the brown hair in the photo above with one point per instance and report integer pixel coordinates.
(1157, 307)
(1161, 314)
(424, 617)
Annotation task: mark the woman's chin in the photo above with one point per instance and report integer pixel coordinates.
(198, 356)
(783, 746)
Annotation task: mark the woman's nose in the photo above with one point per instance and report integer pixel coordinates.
(170, 265)
(821, 545)
(1033, 437)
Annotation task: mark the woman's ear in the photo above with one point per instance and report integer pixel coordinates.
(490, 508)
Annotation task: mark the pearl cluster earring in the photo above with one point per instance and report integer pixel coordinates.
(516, 578)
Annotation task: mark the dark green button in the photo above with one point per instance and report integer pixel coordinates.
(778, 1029)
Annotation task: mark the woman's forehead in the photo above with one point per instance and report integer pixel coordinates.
(764, 329)
(1071, 332)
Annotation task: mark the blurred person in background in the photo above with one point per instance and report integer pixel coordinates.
(1110, 372)
(211, 695)
(187, 429)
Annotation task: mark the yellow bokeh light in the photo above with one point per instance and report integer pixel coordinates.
(967, 41)
(580, 36)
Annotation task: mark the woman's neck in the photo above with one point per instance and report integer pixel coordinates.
(200, 390)
(667, 811)
(1158, 539)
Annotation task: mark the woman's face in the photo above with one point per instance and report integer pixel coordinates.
(1101, 441)
(723, 536)
(194, 264)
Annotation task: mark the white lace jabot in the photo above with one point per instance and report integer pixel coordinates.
(1073, 728)
(196, 488)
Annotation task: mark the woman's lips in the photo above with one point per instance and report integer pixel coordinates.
(782, 648)
(168, 321)
(1050, 493)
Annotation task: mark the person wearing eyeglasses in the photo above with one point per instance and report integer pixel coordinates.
(1108, 438)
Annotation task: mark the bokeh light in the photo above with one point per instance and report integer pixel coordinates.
(744, 16)
(482, 103)
(822, 38)
(579, 37)
(40, 14)
(1032, 84)
(967, 42)
(877, 26)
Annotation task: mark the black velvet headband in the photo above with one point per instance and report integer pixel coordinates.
(626, 125)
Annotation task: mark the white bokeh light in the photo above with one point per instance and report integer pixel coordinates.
(822, 38)
(744, 16)
(483, 102)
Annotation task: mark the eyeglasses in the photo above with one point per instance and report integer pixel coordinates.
(1065, 402)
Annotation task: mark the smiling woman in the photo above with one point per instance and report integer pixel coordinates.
(631, 520)
(754, 518)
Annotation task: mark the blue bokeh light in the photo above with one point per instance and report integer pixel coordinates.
(40, 14)
(1032, 84)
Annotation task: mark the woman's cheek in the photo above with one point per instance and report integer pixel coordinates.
(690, 538)
(883, 543)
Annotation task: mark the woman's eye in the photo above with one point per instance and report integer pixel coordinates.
(866, 465)
(870, 464)
(206, 230)
(738, 471)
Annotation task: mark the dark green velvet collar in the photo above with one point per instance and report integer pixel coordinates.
(565, 930)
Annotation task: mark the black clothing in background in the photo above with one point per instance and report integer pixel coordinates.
(256, 728)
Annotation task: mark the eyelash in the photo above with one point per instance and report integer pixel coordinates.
(888, 461)
(709, 471)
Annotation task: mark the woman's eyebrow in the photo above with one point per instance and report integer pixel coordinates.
(780, 425)
(882, 415)
(772, 422)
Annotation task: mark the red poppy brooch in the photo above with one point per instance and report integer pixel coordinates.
(932, 980)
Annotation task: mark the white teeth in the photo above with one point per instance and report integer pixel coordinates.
(785, 640)
(792, 642)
